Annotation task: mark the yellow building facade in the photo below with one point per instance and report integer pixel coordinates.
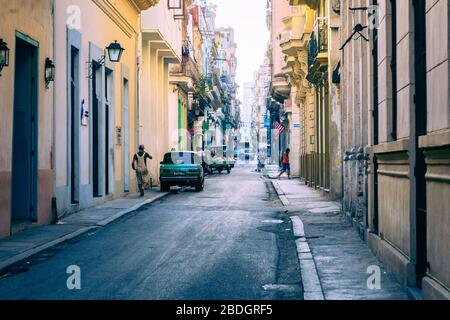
(26, 105)
(96, 118)
(160, 97)
(310, 44)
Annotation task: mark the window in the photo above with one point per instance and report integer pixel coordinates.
(182, 158)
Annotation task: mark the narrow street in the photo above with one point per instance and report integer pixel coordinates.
(225, 150)
(232, 241)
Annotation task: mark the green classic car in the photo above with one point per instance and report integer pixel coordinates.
(182, 168)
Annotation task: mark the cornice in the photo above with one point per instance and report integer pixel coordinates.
(116, 16)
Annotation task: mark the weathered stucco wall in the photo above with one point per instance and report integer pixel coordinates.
(99, 26)
(33, 19)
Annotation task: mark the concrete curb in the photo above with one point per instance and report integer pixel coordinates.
(312, 288)
(280, 193)
(299, 229)
(129, 210)
(31, 252)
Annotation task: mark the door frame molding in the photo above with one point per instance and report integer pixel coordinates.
(95, 54)
(74, 39)
(125, 76)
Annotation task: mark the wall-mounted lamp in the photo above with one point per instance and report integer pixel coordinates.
(49, 72)
(4, 55)
(357, 30)
(115, 52)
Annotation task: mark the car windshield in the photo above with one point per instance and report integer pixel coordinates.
(182, 158)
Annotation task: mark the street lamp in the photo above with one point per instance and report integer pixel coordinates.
(49, 72)
(4, 55)
(115, 51)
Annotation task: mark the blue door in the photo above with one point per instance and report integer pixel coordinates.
(24, 157)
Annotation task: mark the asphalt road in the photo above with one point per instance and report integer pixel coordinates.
(231, 241)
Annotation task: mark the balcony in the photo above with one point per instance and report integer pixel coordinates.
(290, 61)
(216, 101)
(185, 75)
(318, 49)
(158, 29)
(297, 30)
(281, 87)
(288, 68)
(289, 71)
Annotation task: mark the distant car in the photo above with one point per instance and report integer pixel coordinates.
(231, 162)
(217, 160)
(218, 164)
(182, 168)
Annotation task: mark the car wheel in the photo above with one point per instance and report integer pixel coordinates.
(200, 186)
(228, 170)
(165, 187)
(220, 170)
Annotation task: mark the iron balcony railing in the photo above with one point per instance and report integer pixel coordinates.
(312, 49)
(318, 40)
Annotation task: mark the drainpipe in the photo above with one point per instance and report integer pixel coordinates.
(343, 145)
(54, 202)
(137, 91)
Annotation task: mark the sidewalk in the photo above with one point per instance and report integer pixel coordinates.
(335, 263)
(32, 241)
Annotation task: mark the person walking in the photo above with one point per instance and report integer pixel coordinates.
(140, 166)
(286, 166)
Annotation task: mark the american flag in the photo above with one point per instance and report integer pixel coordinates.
(279, 127)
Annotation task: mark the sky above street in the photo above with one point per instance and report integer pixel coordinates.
(248, 18)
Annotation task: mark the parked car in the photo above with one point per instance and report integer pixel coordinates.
(217, 160)
(182, 168)
(231, 162)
